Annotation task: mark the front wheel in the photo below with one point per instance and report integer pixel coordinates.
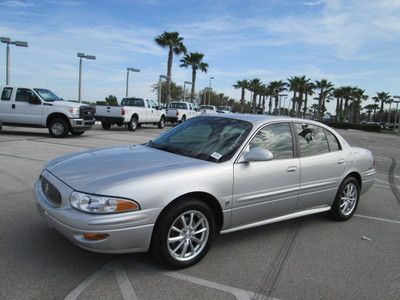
(346, 200)
(58, 128)
(161, 124)
(184, 233)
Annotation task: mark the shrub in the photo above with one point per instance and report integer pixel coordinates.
(364, 127)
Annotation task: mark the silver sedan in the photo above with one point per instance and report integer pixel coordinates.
(211, 174)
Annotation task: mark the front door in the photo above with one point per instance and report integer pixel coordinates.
(267, 189)
(323, 164)
(5, 104)
(24, 112)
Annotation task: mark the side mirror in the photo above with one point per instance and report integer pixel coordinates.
(258, 154)
(34, 100)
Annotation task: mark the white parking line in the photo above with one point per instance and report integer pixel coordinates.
(85, 284)
(124, 283)
(378, 219)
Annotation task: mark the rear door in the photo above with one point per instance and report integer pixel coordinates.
(323, 164)
(24, 112)
(5, 104)
(267, 189)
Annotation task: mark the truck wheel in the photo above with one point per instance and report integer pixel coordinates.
(106, 125)
(183, 119)
(133, 124)
(58, 128)
(161, 124)
(77, 133)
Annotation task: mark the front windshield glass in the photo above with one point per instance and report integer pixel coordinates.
(47, 95)
(213, 139)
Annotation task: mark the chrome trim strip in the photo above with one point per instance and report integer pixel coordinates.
(319, 184)
(278, 219)
(268, 194)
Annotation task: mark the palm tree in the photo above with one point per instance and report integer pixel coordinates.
(275, 88)
(243, 85)
(293, 84)
(371, 108)
(255, 86)
(325, 88)
(174, 43)
(383, 98)
(194, 60)
(357, 97)
(338, 94)
(308, 91)
(347, 96)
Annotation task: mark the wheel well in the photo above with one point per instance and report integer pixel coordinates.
(136, 117)
(357, 176)
(56, 115)
(209, 199)
(163, 116)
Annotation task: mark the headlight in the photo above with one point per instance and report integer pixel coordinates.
(74, 112)
(101, 204)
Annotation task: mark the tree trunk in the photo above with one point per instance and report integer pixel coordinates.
(305, 105)
(299, 104)
(293, 104)
(270, 105)
(169, 72)
(242, 100)
(193, 85)
(337, 108)
(263, 104)
(254, 103)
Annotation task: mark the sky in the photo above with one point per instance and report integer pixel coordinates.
(349, 42)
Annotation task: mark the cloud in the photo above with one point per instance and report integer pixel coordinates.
(15, 4)
(314, 3)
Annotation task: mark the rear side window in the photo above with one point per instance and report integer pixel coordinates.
(312, 139)
(276, 138)
(6, 94)
(23, 95)
(334, 144)
(132, 102)
(178, 105)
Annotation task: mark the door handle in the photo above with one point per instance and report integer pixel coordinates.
(13, 106)
(291, 169)
(341, 161)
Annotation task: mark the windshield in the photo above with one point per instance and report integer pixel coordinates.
(178, 105)
(132, 102)
(213, 139)
(47, 95)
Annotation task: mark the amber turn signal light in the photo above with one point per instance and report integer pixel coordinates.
(95, 236)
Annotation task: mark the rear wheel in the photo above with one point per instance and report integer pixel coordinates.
(106, 125)
(133, 124)
(346, 200)
(183, 119)
(184, 233)
(161, 124)
(58, 128)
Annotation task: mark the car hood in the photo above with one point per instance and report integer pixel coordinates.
(96, 170)
(67, 104)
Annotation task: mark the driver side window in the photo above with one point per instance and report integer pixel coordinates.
(276, 138)
(23, 95)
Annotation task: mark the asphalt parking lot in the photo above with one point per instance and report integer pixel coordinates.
(307, 258)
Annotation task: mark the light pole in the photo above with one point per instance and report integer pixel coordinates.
(160, 86)
(127, 78)
(9, 42)
(82, 55)
(184, 88)
(395, 116)
(209, 91)
(280, 100)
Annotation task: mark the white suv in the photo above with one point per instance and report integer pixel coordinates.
(36, 107)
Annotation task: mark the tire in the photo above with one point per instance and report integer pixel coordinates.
(133, 124)
(77, 133)
(183, 119)
(161, 124)
(106, 125)
(343, 209)
(201, 242)
(58, 128)
(139, 125)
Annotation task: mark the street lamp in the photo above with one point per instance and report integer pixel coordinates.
(280, 100)
(82, 55)
(395, 116)
(9, 42)
(127, 78)
(209, 91)
(160, 86)
(184, 88)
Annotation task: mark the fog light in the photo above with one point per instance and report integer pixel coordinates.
(95, 236)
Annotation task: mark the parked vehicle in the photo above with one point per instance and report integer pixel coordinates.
(208, 109)
(37, 107)
(214, 173)
(179, 112)
(133, 112)
(224, 109)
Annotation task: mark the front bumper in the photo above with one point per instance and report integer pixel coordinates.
(368, 179)
(127, 232)
(82, 123)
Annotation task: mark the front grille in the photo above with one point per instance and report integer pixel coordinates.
(87, 112)
(50, 191)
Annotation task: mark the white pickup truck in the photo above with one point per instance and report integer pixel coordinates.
(179, 112)
(133, 112)
(34, 107)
